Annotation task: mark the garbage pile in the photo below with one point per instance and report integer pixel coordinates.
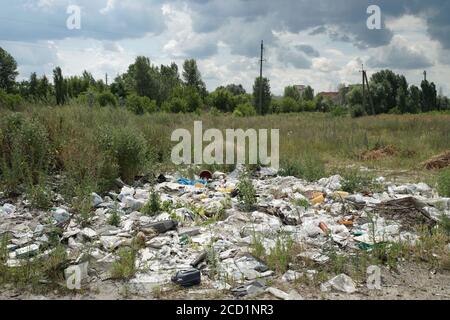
(202, 236)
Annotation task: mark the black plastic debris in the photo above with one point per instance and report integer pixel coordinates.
(161, 179)
(199, 259)
(187, 278)
(163, 226)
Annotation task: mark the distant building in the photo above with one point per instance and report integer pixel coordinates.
(301, 88)
(333, 96)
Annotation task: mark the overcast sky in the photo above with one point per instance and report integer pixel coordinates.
(317, 42)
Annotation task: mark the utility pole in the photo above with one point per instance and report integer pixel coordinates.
(365, 81)
(363, 87)
(106, 78)
(261, 78)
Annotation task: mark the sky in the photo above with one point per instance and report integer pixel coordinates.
(321, 43)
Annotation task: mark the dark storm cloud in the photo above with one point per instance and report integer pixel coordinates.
(342, 20)
(308, 50)
(241, 24)
(31, 20)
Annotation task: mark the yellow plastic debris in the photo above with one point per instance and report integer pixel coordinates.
(225, 190)
(318, 200)
(337, 195)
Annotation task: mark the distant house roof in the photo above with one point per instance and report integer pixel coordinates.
(330, 95)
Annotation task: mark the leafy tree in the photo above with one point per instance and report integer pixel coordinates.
(169, 81)
(308, 94)
(192, 76)
(33, 85)
(292, 92)
(223, 100)
(322, 103)
(354, 96)
(413, 100)
(288, 105)
(60, 86)
(429, 96)
(266, 95)
(118, 87)
(143, 78)
(106, 99)
(44, 88)
(443, 103)
(8, 71)
(140, 105)
(242, 99)
(236, 89)
(175, 105)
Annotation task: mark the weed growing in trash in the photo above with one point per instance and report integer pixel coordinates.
(38, 274)
(247, 194)
(355, 181)
(280, 256)
(309, 167)
(153, 206)
(40, 196)
(125, 266)
(213, 262)
(256, 247)
(114, 219)
(303, 203)
(431, 246)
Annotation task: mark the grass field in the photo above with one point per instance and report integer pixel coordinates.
(92, 144)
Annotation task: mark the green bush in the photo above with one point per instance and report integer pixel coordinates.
(114, 218)
(247, 194)
(89, 166)
(175, 105)
(245, 110)
(223, 100)
(357, 111)
(339, 111)
(10, 101)
(191, 96)
(25, 151)
(129, 148)
(288, 105)
(308, 167)
(107, 99)
(153, 206)
(40, 196)
(275, 106)
(140, 105)
(444, 183)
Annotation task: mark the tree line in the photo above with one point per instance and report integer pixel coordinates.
(147, 88)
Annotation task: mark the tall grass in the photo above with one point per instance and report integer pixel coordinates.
(93, 146)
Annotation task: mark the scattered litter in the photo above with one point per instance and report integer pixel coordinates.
(61, 215)
(200, 226)
(341, 282)
(187, 278)
(206, 175)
